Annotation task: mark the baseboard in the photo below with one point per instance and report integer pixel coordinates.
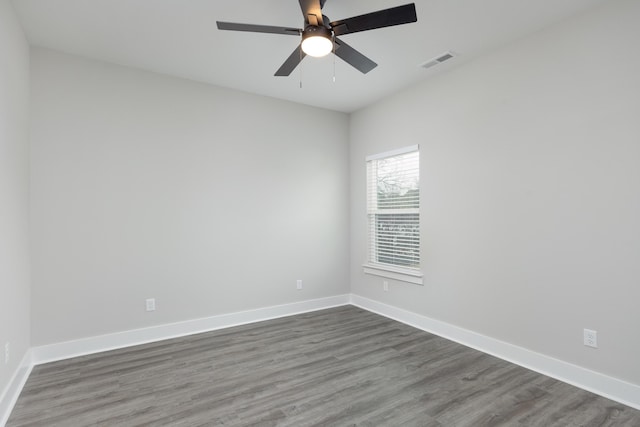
(603, 385)
(90, 345)
(10, 394)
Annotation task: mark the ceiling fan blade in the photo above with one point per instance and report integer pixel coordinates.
(353, 57)
(380, 19)
(291, 62)
(234, 26)
(313, 8)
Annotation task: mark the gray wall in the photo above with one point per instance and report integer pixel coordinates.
(530, 191)
(210, 200)
(14, 197)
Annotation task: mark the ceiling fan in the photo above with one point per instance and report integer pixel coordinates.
(320, 35)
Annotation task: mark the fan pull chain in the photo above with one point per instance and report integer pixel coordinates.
(300, 74)
(334, 58)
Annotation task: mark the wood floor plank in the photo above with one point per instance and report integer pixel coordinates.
(337, 367)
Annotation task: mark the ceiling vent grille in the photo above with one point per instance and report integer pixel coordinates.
(438, 60)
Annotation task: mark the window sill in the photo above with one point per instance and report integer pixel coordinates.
(396, 273)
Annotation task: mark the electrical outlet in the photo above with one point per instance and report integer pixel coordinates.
(385, 286)
(591, 338)
(299, 284)
(6, 352)
(151, 304)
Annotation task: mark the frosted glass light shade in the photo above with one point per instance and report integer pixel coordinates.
(317, 46)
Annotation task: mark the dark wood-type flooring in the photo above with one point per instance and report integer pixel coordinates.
(338, 367)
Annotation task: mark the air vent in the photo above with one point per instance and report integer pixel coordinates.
(438, 60)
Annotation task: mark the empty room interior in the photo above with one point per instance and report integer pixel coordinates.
(435, 223)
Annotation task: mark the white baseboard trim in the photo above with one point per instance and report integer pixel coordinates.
(90, 345)
(603, 385)
(10, 394)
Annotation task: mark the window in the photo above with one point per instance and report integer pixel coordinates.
(393, 210)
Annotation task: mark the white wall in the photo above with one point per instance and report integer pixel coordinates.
(14, 186)
(210, 200)
(530, 191)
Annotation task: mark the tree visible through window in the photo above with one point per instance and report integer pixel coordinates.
(393, 207)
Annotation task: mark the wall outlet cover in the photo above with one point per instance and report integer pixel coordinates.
(590, 338)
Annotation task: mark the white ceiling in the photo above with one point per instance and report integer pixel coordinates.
(180, 38)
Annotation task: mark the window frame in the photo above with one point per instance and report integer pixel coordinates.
(392, 271)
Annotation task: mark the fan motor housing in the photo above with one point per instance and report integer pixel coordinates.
(316, 31)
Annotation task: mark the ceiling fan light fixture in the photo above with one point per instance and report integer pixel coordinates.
(320, 34)
(316, 41)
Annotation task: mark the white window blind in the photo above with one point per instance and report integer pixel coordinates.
(393, 209)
